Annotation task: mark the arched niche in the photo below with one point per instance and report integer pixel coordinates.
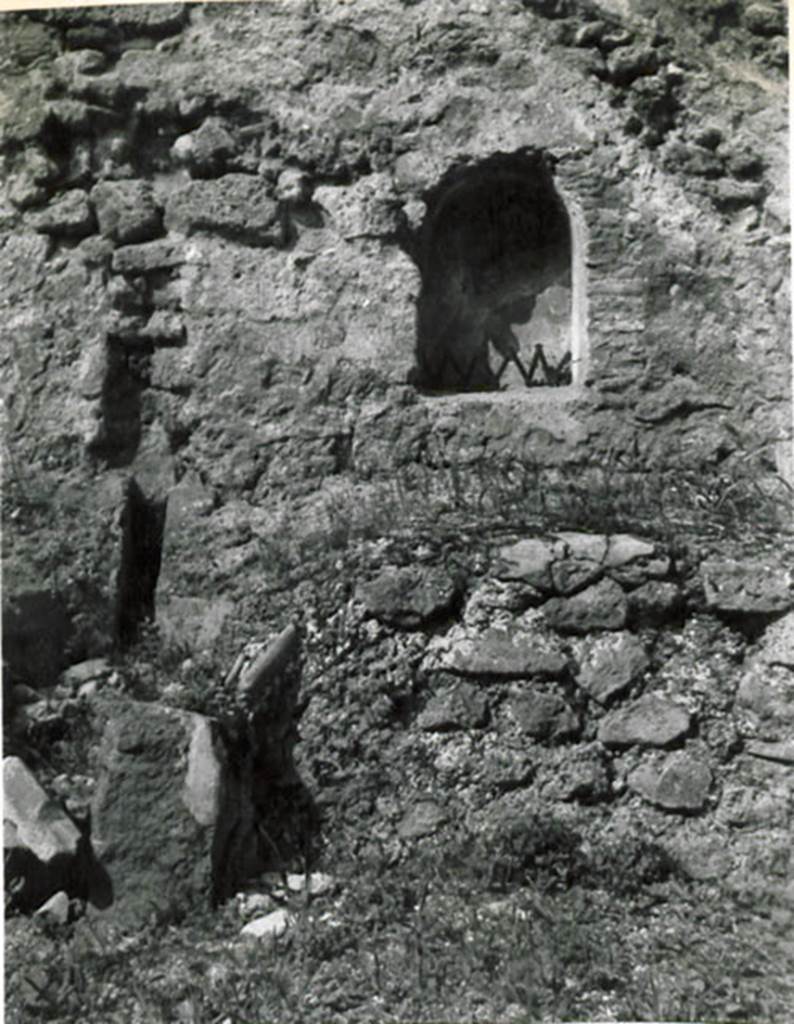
(496, 257)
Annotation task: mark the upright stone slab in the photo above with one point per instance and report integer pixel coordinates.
(165, 810)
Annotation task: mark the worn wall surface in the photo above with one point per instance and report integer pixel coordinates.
(211, 245)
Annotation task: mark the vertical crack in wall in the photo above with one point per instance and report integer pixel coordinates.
(142, 526)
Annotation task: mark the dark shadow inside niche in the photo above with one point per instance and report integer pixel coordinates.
(495, 255)
(142, 526)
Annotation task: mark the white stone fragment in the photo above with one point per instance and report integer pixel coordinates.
(271, 926)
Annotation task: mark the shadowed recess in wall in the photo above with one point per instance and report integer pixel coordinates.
(142, 525)
(495, 253)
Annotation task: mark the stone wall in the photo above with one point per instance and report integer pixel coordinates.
(212, 215)
(629, 693)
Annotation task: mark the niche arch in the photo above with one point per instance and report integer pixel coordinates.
(499, 254)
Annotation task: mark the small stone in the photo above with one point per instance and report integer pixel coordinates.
(88, 690)
(492, 599)
(250, 904)
(293, 186)
(160, 254)
(409, 597)
(24, 192)
(602, 606)
(654, 603)
(766, 695)
(68, 216)
(318, 883)
(729, 195)
(572, 574)
(205, 151)
(629, 63)
(641, 570)
(611, 665)
(459, 706)
(544, 716)
(751, 586)
(651, 721)
(41, 825)
(682, 784)
(126, 211)
(271, 926)
(765, 19)
(56, 908)
(89, 62)
(423, 819)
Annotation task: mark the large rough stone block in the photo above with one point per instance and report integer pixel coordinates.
(602, 606)
(161, 254)
(544, 715)
(497, 654)
(457, 706)
(69, 216)
(610, 664)
(126, 211)
(766, 699)
(530, 560)
(654, 603)
(750, 586)
(682, 783)
(409, 597)
(765, 19)
(367, 209)
(238, 206)
(650, 721)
